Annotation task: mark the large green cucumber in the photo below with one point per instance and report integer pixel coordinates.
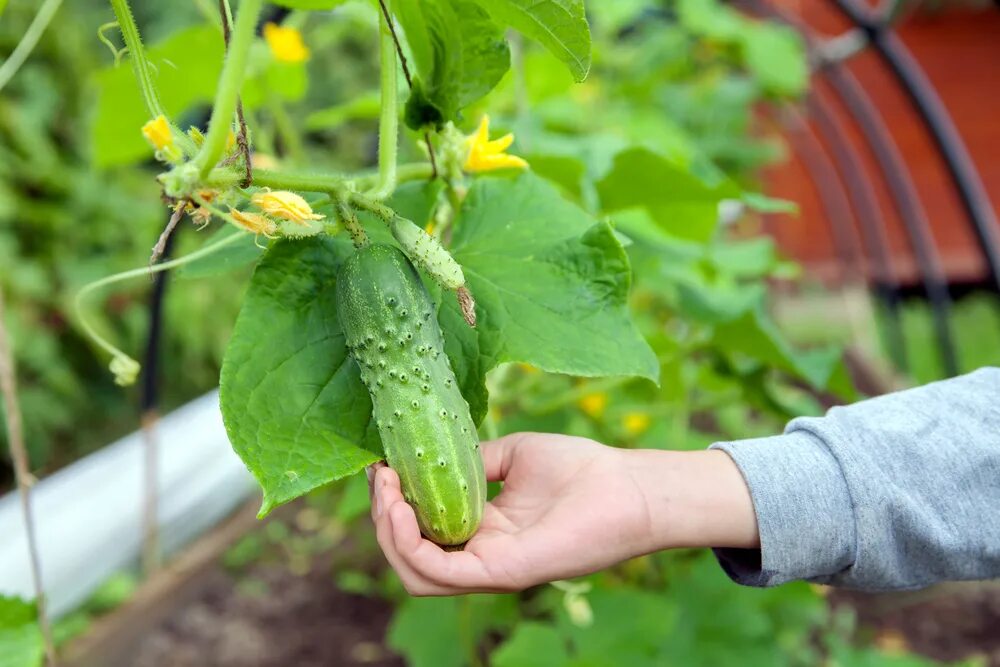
(429, 437)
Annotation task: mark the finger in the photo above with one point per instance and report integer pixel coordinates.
(498, 456)
(456, 571)
(387, 494)
(370, 472)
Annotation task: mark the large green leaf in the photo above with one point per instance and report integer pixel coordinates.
(551, 284)
(442, 632)
(292, 400)
(532, 645)
(683, 205)
(21, 642)
(558, 25)
(458, 53)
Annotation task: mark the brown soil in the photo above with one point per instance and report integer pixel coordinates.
(270, 617)
(949, 623)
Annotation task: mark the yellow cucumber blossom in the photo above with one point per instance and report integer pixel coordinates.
(635, 422)
(285, 205)
(158, 134)
(286, 43)
(253, 222)
(486, 155)
(594, 404)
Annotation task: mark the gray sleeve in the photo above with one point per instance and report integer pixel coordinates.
(895, 492)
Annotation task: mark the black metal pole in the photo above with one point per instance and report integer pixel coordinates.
(907, 200)
(832, 195)
(939, 124)
(870, 220)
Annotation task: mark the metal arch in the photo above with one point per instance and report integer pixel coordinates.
(901, 187)
(870, 220)
(939, 125)
(907, 200)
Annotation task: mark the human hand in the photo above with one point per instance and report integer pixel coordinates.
(569, 506)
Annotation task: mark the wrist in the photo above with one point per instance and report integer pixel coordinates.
(692, 499)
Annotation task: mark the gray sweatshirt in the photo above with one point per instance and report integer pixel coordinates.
(895, 492)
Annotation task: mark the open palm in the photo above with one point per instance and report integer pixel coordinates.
(569, 506)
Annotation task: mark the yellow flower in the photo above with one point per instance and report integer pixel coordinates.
(253, 222)
(285, 43)
(486, 155)
(635, 422)
(157, 133)
(230, 141)
(285, 205)
(594, 404)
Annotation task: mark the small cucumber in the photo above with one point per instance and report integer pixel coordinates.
(428, 434)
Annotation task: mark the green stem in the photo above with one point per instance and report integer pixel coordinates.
(329, 183)
(137, 54)
(350, 222)
(290, 139)
(89, 288)
(28, 40)
(229, 86)
(388, 130)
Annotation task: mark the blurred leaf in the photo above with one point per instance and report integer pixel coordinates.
(232, 257)
(566, 172)
(187, 66)
(776, 55)
(764, 204)
(531, 645)
(363, 106)
(354, 502)
(709, 18)
(630, 627)
(755, 335)
(750, 258)
(558, 25)
(309, 4)
(21, 643)
(442, 632)
(682, 204)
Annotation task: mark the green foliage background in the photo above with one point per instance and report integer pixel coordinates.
(630, 171)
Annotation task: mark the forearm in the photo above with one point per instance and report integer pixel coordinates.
(900, 491)
(692, 499)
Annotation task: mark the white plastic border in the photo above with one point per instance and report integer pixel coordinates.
(88, 516)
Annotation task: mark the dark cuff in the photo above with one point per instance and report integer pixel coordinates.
(803, 507)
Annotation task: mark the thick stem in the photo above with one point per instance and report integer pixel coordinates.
(28, 40)
(329, 183)
(388, 130)
(229, 86)
(137, 54)
(19, 453)
(350, 222)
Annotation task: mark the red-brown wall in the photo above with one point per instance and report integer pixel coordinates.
(959, 50)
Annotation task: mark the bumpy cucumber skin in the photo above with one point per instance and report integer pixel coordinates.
(427, 431)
